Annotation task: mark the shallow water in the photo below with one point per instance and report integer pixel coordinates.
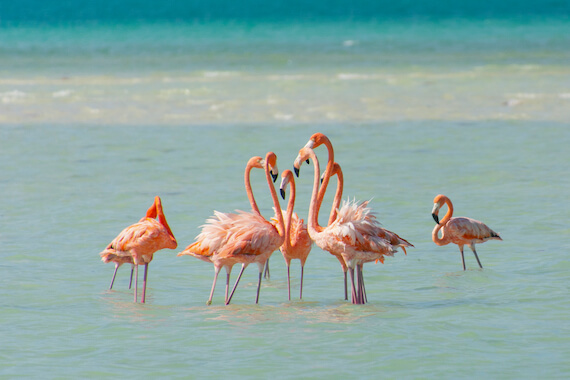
(72, 179)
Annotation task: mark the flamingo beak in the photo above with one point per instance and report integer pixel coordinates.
(282, 191)
(435, 217)
(296, 170)
(274, 176)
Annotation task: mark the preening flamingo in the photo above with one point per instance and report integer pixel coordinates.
(210, 242)
(459, 230)
(241, 237)
(297, 244)
(137, 243)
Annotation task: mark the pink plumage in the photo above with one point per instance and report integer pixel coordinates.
(459, 230)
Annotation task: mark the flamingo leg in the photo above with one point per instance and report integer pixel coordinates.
(243, 266)
(114, 274)
(462, 256)
(288, 283)
(345, 287)
(266, 273)
(361, 293)
(144, 283)
(132, 270)
(136, 281)
(301, 291)
(227, 284)
(472, 246)
(353, 292)
(259, 284)
(216, 271)
(364, 298)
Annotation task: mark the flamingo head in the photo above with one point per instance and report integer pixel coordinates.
(256, 162)
(286, 178)
(438, 202)
(304, 155)
(271, 162)
(317, 139)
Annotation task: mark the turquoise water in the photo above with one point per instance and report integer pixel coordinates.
(98, 118)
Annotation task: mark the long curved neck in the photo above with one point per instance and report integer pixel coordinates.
(289, 217)
(435, 233)
(337, 196)
(313, 222)
(328, 173)
(278, 211)
(248, 189)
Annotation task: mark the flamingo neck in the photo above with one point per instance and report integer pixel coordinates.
(435, 233)
(337, 197)
(248, 189)
(289, 217)
(278, 211)
(313, 223)
(328, 172)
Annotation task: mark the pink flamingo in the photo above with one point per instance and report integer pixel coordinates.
(137, 243)
(215, 232)
(318, 139)
(459, 230)
(242, 237)
(355, 233)
(348, 207)
(297, 244)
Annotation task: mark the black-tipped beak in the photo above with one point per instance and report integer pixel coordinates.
(435, 217)
(307, 161)
(274, 176)
(282, 193)
(296, 172)
(322, 180)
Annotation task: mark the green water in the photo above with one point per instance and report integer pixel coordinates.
(97, 119)
(67, 192)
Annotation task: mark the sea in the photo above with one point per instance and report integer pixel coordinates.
(104, 105)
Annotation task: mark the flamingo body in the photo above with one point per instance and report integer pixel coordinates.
(355, 234)
(297, 242)
(137, 243)
(459, 230)
(241, 237)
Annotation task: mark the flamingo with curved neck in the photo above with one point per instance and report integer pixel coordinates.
(459, 230)
(356, 240)
(257, 240)
(297, 244)
(225, 239)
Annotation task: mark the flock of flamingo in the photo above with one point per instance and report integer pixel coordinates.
(353, 235)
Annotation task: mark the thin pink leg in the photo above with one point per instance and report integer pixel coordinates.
(236, 284)
(216, 271)
(136, 281)
(144, 282)
(114, 274)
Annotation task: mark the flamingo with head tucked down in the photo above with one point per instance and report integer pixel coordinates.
(241, 237)
(459, 230)
(297, 244)
(137, 243)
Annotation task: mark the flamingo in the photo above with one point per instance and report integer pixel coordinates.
(459, 230)
(215, 232)
(355, 234)
(316, 140)
(241, 237)
(137, 243)
(392, 237)
(297, 244)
